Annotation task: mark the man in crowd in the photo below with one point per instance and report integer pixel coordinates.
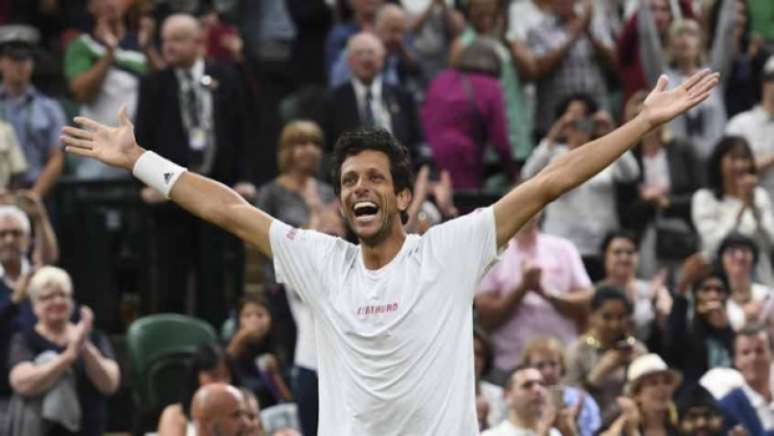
(392, 314)
(540, 288)
(752, 357)
(193, 111)
(756, 126)
(219, 410)
(363, 16)
(400, 64)
(367, 100)
(103, 69)
(36, 119)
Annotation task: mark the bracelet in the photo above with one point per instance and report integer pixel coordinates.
(157, 172)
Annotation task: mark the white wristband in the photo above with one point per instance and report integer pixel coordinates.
(157, 172)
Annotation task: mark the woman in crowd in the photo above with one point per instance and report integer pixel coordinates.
(597, 360)
(299, 198)
(749, 303)
(459, 138)
(733, 201)
(650, 300)
(547, 355)
(684, 55)
(660, 198)
(209, 364)
(254, 354)
(60, 362)
(702, 339)
(647, 409)
(577, 122)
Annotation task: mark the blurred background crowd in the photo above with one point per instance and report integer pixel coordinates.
(641, 302)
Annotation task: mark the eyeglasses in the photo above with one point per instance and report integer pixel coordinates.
(51, 295)
(16, 233)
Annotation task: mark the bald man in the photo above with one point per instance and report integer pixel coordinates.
(219, 409)
(366, 99)
(401, 67)
(194, 112)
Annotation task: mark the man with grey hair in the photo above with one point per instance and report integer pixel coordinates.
(400, 62)
(366, 99)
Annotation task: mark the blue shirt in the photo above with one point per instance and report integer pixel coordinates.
(37, 121)
(589, 419)
(337, 42)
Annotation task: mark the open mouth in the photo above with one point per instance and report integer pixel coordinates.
(365, 210)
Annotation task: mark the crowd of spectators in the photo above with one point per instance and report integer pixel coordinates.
(642, 302)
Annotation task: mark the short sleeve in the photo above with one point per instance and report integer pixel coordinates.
(58, 121)
(78, 58)
(303, 258)
(466, 244)
(19, 351)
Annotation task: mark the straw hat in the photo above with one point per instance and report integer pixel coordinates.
(645, 365)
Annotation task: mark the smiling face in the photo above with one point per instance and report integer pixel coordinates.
(369, 202)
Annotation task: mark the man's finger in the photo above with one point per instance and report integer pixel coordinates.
(88, 123)
(75, 142)
(78, 133)
(123, 117)
(80, 151)
(696, 78)
(706, 84)
(662, 83)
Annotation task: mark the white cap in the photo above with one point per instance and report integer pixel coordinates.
(648, 364)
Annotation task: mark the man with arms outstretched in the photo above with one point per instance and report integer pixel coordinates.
(392, 314)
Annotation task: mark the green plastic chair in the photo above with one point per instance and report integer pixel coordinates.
(159, 347)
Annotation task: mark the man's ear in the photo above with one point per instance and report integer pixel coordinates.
(404, 199)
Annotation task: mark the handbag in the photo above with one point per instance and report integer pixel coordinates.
(675, 238)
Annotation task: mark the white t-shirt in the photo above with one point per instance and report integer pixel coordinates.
(395, 345)
(507, 429)
(306, 348)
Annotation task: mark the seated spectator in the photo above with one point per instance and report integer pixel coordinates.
(752, 358)
(597, 360)
(700, 414)
(490, 401)
(484, 19)
(401, 67)
(368, 100)
(702, 339)
(253, 352)
(219, 409)
(734, 201)
(538, 288)
(756, 127)
(433, 27)
(749, 303)
(547, 355)
(703, 125)
(571, 54)
(459, 138)
(651, 300)
(577, 122)
(363, 17)
(36, 119)
(61, 372)
(530, 408)
(647, 408)
(255, 427)
(670, 173)
(103, 69)
(210, 364)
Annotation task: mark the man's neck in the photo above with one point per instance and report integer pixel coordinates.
(686, 67)
(294, 180)
(15, 89)
(13, 269)
(761, 386)
(378, 255)
(528, 422)
(365, 21)
(768, 106)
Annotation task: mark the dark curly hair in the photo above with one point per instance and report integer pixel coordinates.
(355, 141)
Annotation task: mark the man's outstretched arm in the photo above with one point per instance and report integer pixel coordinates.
(582, 163)
(203, 197)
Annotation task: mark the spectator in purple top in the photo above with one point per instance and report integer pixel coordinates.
(458, 138)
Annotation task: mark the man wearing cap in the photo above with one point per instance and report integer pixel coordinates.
(757, 126)
(36, 119)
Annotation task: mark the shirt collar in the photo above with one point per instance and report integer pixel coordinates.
(25, 267)
(29, 93)
(196, 70)
(360, 88)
